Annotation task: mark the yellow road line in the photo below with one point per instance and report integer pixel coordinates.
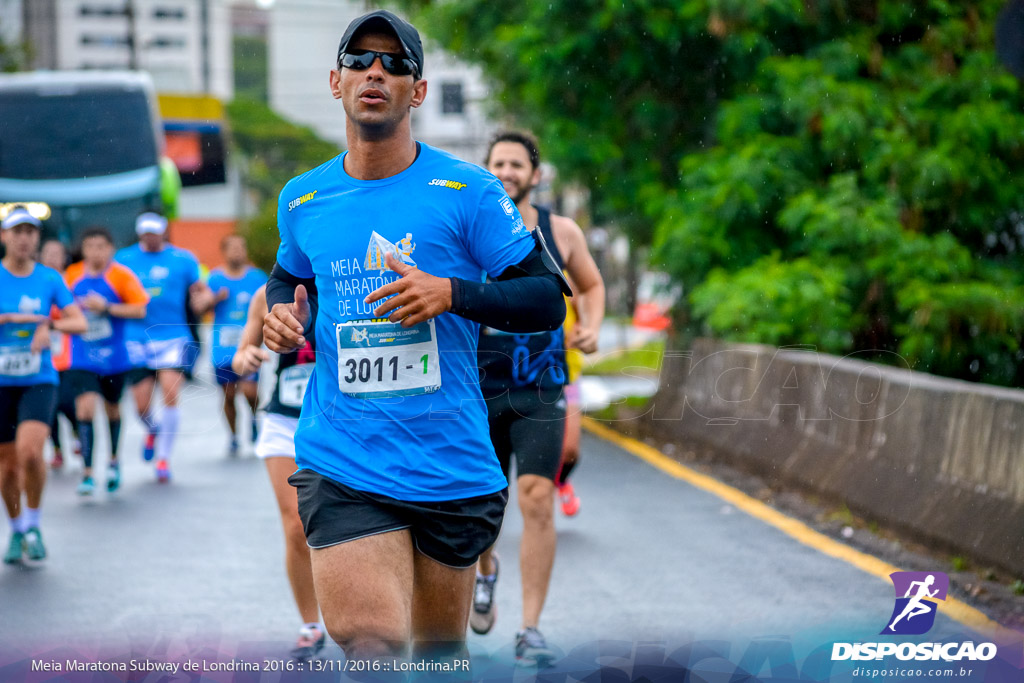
(953, 608)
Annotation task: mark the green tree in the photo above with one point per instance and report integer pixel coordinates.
(865, 193)
(14, 57)
(616, 92)
(273, 151)
(840, 173)
(249, 54)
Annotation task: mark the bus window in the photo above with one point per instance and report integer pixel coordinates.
(84, 145)
(96, 132)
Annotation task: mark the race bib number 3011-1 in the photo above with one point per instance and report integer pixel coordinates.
(384, 359)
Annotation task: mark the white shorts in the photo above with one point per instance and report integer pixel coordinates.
(277, 436)
(159, 354)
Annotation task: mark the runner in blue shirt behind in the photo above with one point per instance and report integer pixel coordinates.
(399, 490)
(159, 343)
(28, 380)
(232, 286)
(110, 294)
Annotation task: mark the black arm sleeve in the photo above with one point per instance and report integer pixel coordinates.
(281, 290)
(526, 298)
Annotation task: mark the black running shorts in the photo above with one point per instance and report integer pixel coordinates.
(529, 423)
(452, 532)
(36, 402)
(109, 386)
(136, 375)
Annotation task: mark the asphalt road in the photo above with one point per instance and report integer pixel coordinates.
(171, 570)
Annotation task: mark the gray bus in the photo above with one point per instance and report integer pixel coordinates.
(80, 148)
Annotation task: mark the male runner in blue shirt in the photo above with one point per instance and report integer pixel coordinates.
(110, 294)
(28, 380)
(233, 286)
(159, 343)
(398, 486)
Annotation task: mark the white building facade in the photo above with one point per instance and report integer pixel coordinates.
(185, 45)
(10, 21)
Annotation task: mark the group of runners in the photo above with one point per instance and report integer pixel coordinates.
(109, 320)
(413, 292)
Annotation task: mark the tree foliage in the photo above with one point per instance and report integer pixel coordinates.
(891, 157)
(846, 174)
(273, 151)
(249, 55)
(617, 92)
(13, 56)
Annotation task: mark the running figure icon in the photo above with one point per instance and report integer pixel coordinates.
(916, 606)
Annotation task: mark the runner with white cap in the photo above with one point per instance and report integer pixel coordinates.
(28, 380)
(158, 344)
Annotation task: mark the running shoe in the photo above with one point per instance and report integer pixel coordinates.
(58, 460)
(570, 501)
(485, 611)
(255, 432)
(34, 548)
(163, 472)
(87, 487)
(309, 644)
(233, 448)
(15, 548)
(532, 649)
(113, 477)
(149, 447)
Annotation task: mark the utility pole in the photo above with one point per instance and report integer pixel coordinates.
(133, 50)
(204, 41)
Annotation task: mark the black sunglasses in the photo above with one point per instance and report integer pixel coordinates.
(395, 64)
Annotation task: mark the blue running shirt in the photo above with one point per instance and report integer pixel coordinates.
(102, 348)
(35, 293)
(230, 314)
(390, 410)
(166, 275)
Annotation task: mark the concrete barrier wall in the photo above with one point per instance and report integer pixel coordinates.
(941, 459)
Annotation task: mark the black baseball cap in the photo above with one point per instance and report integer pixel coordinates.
(383, 21)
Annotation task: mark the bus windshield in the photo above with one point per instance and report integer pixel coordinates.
(86, 133)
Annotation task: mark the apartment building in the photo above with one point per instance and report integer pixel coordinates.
(185, 45)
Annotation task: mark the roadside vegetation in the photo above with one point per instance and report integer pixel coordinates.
(845, 174)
